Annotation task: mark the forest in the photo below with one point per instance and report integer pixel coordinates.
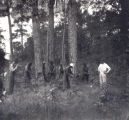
(53, 71)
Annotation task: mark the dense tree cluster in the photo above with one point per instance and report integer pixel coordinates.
(87, 30)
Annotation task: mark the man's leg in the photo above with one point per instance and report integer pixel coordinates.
(1, 95)
(104, 88)
(87, 78)
(11, 86)
(45, 78)
(100, 80)
(27, 78)
(68, 82)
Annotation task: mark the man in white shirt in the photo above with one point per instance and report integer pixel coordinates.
(103, 70)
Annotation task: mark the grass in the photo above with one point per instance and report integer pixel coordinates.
(47, 102)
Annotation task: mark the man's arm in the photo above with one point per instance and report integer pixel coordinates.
(16, 67)
(99, 68)
(108, 69)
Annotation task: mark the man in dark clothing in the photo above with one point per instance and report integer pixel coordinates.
(61, 71)
(13, 68)
(51, 70)
(85, 75)
(1, 88)
(68, 75)
(28, 74)
(44, 71)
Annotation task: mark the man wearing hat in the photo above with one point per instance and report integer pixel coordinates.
(68, 74)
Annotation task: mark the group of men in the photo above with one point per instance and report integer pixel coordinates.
(103, 69)
(64, 72)
(48, 76)
(61, 73)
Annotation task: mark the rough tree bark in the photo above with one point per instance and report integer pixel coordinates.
(123, 40)
(124, 44)
(21, 30)
(37, 42)
(64, 33)
(72, 32)
(51, 30)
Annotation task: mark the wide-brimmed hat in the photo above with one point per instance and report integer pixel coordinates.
(71, 64)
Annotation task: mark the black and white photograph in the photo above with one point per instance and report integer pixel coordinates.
(64, 59)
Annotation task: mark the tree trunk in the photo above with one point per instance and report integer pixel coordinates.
(72, 32)
(37, 43)
(10, 34)
(124, 69)
(51, 30)
(47, 53)
(22, 37)
(63, 40)
(123, 41)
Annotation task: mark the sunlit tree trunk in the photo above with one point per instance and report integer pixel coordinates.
(72, 32)
(10, 35)
(37, 42)
(21, 30)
